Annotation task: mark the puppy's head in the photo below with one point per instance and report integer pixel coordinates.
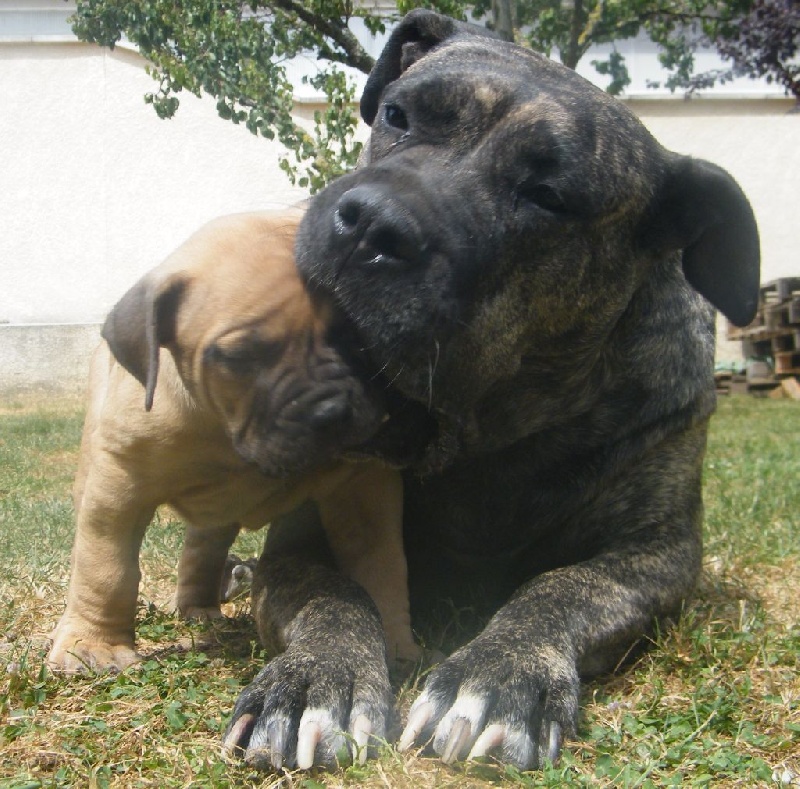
(251, 345)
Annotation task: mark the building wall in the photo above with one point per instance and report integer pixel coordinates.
(95, 189)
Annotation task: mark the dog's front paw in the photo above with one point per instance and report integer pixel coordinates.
(305, 709)
(489, 699)
(73, 653)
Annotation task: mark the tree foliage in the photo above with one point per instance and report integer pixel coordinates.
(237, 52)
(569, 28)
(760, 41)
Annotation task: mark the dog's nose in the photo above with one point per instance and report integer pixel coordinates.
(380, 228)
(330, 413)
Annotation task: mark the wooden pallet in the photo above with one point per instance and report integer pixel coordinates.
(775, 331)
(727, 383)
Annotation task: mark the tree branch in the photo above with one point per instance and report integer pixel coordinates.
(356, 55)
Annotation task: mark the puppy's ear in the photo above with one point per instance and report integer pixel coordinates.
(140, 323)
(418, 33)
(702, 211)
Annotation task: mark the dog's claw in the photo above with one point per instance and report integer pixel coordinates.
(491, 737)
(278, 742)
(308, 738)
(362, 728)
(268, 745)
(239, 733)
(460, 735)
(496, 735)
(418, 719)
(555, 741)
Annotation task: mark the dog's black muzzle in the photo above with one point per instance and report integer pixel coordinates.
(373, 227)
(401, 247)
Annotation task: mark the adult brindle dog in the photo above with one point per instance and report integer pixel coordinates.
(522, 257)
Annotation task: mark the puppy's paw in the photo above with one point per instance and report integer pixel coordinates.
(203, 613)
(305, 709)
(406, 654)
(193, 603)
(73, 654)
(488, 699)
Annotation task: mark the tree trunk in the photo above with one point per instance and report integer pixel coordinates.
(503, 15)
(573, 52)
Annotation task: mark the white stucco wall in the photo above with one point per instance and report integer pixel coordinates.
(96, 188)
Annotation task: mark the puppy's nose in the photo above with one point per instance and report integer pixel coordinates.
(330, 413)
(381, 229)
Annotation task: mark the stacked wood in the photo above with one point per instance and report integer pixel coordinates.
(774, 336)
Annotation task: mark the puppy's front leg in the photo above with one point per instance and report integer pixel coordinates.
(363, 519)
(328, 693)
(96, 630)
(200, 569)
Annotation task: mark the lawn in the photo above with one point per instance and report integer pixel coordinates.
(714, 702)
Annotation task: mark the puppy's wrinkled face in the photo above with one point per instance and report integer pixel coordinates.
(253, 347)
(287, 395)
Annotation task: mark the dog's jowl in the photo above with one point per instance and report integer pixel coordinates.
(219, 389)
(520, 256)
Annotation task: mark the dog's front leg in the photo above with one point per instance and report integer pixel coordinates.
(513, 691)
(96, 630)
(327, 695)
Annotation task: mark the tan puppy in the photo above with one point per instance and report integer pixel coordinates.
(250, 390)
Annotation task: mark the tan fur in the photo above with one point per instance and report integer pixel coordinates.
(238, 271)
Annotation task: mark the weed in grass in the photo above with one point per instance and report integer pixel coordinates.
(714, 702)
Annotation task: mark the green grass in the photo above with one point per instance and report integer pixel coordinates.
(715, 702)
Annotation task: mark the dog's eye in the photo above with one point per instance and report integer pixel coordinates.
(395, 117)
(236, 360)
(543, 195)
(247, 358)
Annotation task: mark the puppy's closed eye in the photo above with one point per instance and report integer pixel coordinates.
(244, 358)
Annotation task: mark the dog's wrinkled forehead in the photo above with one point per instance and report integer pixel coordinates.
(469, 94)
(491, 78)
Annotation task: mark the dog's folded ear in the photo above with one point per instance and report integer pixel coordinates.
(418, 33)
(702, 211)
(140, 323)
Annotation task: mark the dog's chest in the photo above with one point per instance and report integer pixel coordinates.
(479, 510)
(233, 495)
